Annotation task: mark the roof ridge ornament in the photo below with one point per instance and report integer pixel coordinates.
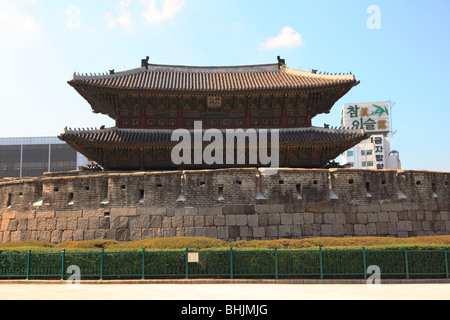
(144, 63)
(281, 63)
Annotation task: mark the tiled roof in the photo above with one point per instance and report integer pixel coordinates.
(311, 135)
(211, 79)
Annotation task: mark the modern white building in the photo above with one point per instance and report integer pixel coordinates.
(32, 156)
(375, 152)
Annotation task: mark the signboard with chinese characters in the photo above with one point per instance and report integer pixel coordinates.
(379, 146)
(214, 102)
(372, 117)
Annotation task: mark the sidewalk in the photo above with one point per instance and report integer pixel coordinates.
(196, 290)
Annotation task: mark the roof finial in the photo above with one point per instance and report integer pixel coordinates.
(281, 62)
(144, 62)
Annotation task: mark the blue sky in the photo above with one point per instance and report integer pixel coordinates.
(405, 58)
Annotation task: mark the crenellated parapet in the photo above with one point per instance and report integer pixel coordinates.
(225, 203)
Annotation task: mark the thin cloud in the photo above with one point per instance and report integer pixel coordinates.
(288, 38)
(14, 23)
(124, 19)
(169, 9)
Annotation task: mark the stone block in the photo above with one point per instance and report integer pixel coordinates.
(274, 219)
(111, 234)
(392, 226)
(71, 223)
(412, 215)
(230, 220)
(382, 228)
(156, 221)
(168, 232)
(340, 218)
(329, 218)
(241, 220)
(123, 235)
(30, 214)
(82, 223)
(199, 231)
(22, 225)
(272, 231)
(286, 218)
(78, 235)
(409, 206)
(391, 207)
(307, 230)
(253, 220)
(318, 218)
(69, 214)
(372, 217)
(104, 223)
(327, 230)
(371, 229)
(298, 218)
(209, 221)
(320, 207)
(361, 218)
(222, 233)
(219, 221)
(263, 220)
(151, 211)
(209, 211)
(245, 232)
(94, 213)
(317, 230)
(370, 208)
(345, 208)
(94, 223)
(56, 236)
(393, 217)
(123, 212)
(296, 231)
(45, 214)
(166, 222)
(417, 226)
(298, 207)
(259, 232)
(383, 217)
(177, 221)
(269, 208)
(308, 217)
(360, 230)
(239, 209)
(199, 221)
(284, 231)
(338, 230)
(189, 232)
(351, 218)
(16, 236)
(188, 221)
(211, 232)
(100, 234)
(402, 216)
(89, 234)
(404, 226)
(67, 235)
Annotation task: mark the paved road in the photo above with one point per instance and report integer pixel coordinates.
(225, 292)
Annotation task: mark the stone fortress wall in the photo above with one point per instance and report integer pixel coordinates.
(229, 204)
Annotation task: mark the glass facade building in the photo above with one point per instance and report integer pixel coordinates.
(31, 157)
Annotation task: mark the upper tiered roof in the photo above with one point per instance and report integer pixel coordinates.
(212, 79)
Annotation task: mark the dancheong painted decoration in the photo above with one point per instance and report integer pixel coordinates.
(150, 102)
